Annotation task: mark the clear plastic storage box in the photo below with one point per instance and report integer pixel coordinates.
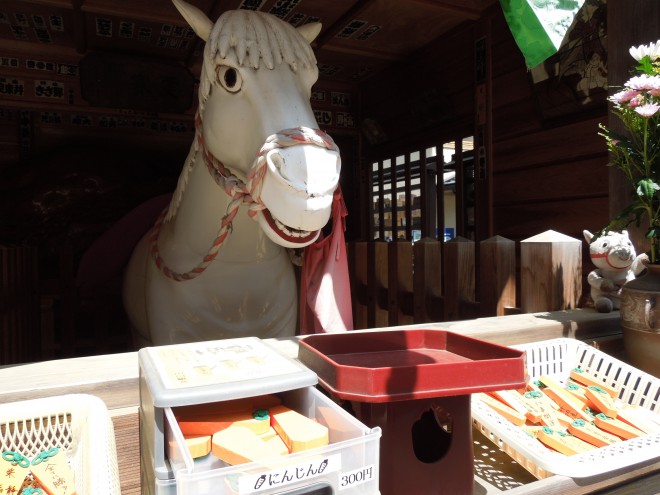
(556, 358)
(217, 371)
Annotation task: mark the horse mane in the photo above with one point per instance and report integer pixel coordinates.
(246, 37)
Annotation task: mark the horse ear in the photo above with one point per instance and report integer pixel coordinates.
(587, 236)
(197, 19)
(310, 31)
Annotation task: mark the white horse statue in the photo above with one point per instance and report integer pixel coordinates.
(616, 263)
(208, 270)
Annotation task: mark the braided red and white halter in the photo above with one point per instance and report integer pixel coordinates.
(240, 192)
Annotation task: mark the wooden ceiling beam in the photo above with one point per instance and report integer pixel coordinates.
(30, 49)
(349, 15)
(167, 14)
(465, 12)
(361, 52)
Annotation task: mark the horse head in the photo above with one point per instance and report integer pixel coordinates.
(611, 251)
(255, 125)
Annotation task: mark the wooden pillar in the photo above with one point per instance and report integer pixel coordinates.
(459, 276)
(359, 263)
(427, 280)
(497, 280)
(629, 23)
(550, 272)
(381, 283)
(401, 283)
(483, 130)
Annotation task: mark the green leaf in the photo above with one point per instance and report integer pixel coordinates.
(645, 66)
(646, 188)
(653, 232)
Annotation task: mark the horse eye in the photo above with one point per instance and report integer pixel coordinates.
(229, 78)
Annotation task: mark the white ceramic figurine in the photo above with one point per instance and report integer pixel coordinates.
(216, 264)
(616, 263)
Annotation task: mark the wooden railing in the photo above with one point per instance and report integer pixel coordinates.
(401, 283)
(393, 283)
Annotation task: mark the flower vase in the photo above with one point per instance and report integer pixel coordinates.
(640, 320)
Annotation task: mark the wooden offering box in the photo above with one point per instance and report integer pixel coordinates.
(415, 385)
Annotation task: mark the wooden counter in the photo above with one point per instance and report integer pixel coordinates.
(114, 378)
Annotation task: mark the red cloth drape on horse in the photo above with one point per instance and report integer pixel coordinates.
(325, 290)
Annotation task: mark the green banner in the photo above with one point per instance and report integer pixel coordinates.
(539, 26)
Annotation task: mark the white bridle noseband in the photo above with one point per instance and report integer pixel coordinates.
(240, 192)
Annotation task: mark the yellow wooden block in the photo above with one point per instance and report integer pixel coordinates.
(198, 445)
(277, 444)
(237, 445)
(268, 435)
(298, 431)
(54, 473)
(14, 467)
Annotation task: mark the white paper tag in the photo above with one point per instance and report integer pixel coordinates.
(306, 470)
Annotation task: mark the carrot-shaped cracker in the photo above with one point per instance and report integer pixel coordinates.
(510, 398)
(602, 401)
(586, 379)
(538, 409)
(569, 404)
(617, 427)
(590, 433)
(562, 442)
(635, 416)
(508, 412)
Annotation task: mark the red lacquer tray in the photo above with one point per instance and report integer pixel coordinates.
(393, 365)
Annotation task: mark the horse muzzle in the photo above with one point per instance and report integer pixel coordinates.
(297, 190)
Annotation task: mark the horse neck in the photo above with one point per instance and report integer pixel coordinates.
(197, 220)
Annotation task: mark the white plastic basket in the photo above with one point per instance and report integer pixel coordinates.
(556, 358)
(77, 424)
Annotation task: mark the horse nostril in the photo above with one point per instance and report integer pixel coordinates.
(289, 168)
(278, 161)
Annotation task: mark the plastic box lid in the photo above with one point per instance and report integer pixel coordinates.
(211, 371)
(394, 365)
